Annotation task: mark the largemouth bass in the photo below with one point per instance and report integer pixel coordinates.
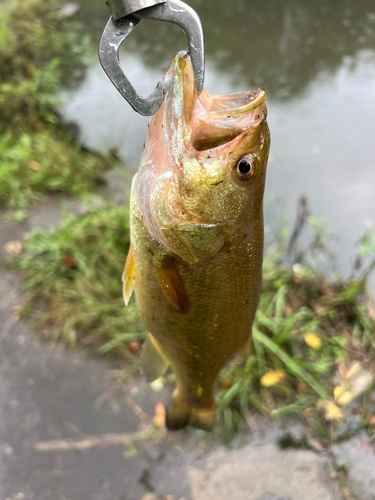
(197, 237)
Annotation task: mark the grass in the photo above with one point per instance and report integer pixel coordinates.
(74, 272)
(38, 49)
(297, 300)
(32, 164)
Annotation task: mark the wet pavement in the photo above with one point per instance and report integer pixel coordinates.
(48, 393)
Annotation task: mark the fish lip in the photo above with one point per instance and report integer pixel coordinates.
(256, 98)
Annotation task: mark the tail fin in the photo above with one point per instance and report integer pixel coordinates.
(179, 414)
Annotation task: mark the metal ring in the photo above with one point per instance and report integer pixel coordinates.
(115, 32)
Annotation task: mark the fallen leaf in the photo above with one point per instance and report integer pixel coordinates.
(347, 493)
(356, 382)
(134, 346)
(346, 398)
(372, 420)
(302, 387)
(69, 262)
(353, 371)
(272, 378)
(226, 383)
(159, 419)
(313, 341)
(150, 496)
(34, 165)
(331, 411)
(13, 247)
(338, 392)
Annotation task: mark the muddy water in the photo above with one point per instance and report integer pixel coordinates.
(316, 60)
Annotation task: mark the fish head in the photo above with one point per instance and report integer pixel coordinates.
(202, 172)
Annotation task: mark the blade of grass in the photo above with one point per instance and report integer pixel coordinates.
(291, 364)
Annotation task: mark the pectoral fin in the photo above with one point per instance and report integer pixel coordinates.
(154, 363)
(128, 276)
(172, 285)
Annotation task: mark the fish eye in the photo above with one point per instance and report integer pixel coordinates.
(246, 168)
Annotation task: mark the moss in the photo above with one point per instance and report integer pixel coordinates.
(37, 49)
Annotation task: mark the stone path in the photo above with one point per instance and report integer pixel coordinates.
(47, 393)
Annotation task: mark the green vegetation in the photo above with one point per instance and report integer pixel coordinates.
(307, 328)
(297, 301)
(33, 163)
(38, 48)
(74, 271)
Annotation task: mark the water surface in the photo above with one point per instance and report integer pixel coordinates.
(316, 60)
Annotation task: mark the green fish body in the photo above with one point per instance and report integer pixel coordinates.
(197, 237)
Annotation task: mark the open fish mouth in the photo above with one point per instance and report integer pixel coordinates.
(240, 102)
(225, 117)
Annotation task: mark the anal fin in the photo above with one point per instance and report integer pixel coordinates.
(172, 285)
(154, 363)
(244, 353)
(128, 276)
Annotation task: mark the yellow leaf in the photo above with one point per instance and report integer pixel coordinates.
(159, 419)
(270, 379)
(331, 411)
(338, 391)
(346, 398)
(312, 340)
(354, 371)
(356, 382)
(34, 165)
(13, 247)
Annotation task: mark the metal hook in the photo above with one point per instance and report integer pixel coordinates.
(115, 32)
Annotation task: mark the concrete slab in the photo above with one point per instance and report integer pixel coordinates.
(357, 456)
(263, 472)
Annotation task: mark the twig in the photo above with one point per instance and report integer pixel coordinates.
(301, 218)
(88, 442)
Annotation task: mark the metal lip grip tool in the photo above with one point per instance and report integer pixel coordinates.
(126, 15)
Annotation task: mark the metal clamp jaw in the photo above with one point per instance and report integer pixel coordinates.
(122, 8)
(119, 28)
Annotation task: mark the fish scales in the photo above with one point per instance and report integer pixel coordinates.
(197, 237)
